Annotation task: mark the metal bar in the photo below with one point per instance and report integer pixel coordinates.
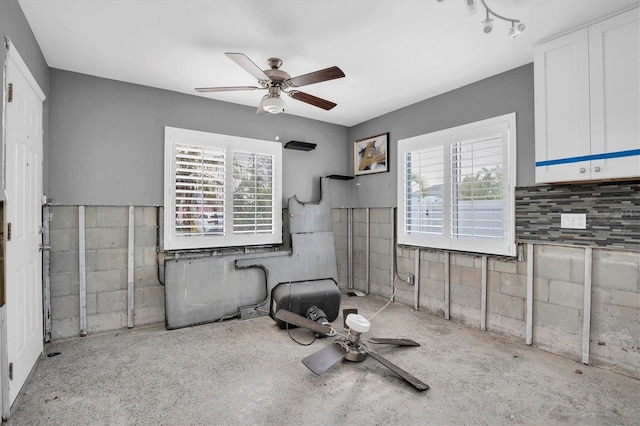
(529, 329)
(586, 315)
(131, 267)
(46, 273)
(350, 246)
(392, 275)
(483, 295)
(416, 281)
(82, 272)
(446, 285)
(368, 252)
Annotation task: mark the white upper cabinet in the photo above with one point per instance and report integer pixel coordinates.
(587, 102)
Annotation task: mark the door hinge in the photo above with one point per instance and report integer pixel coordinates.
(10, 371)
(10, 93)
(9, 231)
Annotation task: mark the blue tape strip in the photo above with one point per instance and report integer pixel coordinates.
(604, 156)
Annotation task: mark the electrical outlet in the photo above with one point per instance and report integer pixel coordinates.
(573, 221)
(409, 279)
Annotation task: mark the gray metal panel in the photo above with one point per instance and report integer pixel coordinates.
(311, 217)
(207, 289)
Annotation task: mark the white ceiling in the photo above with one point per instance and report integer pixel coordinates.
(394, 52)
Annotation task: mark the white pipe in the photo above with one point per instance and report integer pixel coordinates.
(529, 329)
(82, 272)
(446, 285)
(131, 267)
(483, 296)
(368, 254)
(416, 281)
(586, 315)
(46, 273)
(350, 246)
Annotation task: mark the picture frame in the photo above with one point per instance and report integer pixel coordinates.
(371, 155)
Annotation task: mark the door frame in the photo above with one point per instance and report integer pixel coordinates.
(10, 52)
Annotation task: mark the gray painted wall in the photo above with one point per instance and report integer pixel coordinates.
(107, 140)
(501, 94)
(14, 25)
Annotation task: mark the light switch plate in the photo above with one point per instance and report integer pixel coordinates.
(573, 220)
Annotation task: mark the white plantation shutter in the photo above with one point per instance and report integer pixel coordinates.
(458, 188)
(199, 190)
(221, 190)
(476, 188)
(253, 193)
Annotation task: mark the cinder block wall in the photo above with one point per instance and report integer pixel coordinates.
(106, 259)
(558, 302)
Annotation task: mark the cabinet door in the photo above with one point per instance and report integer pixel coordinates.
(614, 55)
(561, 77)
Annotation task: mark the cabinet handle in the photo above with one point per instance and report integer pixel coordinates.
(596, 169)
(582, 170)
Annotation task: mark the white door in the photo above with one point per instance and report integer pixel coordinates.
(23, 221)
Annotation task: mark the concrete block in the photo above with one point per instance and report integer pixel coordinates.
(513, 285)
(566, 294)
(557, 317)
(113, 301)
(380, 276)
(507, 325)
(105, 322)
(433, 305)
(432, 256)
(615, 304)
(359, 215)
(471, 277)
(146, 276)
(90, 216)
(146, 216)
(554, 262)
(63, 239)
(63, 261)
(617, 270)
(508, 266)
(558, 341)
(493, 281)
(112, 217)
(385, 231)
(506, 305)
(379, 215)
(149, 315)
(92, 304)
(374, 230)
(63, 217)
(65, 307)
(541, 289)
(153, 296)
(104, 281)
(380, 245)
(101, 238)
(64, 328)
(143, 237)
(107, 259)
(432, 288)
(465, 296)
(462, 260)
(62, 284)
(622, 332)
(434, 270)
(465, 314)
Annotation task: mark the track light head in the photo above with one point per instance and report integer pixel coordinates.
(487, 25)
(472, 6)
(516, 30)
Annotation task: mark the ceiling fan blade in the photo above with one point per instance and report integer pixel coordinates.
(312, 100)
(300, 321)
(225, 89)
(416, 383)
(248, 65)
(316, 77)
(397, 342)
(320, 361)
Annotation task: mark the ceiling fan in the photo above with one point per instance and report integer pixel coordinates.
(277, 82)
(351, 347)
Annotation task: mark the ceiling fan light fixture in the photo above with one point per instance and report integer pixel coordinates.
(273, 104)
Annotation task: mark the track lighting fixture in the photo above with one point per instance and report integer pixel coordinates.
(517, 27)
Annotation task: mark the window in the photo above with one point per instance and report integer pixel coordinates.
(456, 190)
(221, 191)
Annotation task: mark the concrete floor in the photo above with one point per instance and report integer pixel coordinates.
(249, 372)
